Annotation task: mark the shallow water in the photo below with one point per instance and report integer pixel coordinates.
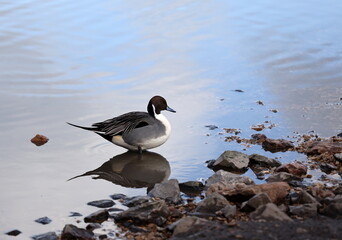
(88, 61)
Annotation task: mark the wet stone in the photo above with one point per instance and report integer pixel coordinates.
(135, 201)
(105, 203)
(46, 236)
(211, 127)
(232, 161)
(75, 214)
(168, 191)
(43, 220)
(71, 232)
(277, 145)
(338, 156)
(93, 226)
(39, 140)
(13, 232)
(263, 161)
(118, 196)
(212, 203)
(282, 177)
(97, 217)
(296, 168)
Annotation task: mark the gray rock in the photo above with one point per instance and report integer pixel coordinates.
(282, 177)
(333, 210)
(46, 236)
(228, 178)
(75, 214)
(255, 202)
(97, 217)
(93, 226)
(338, 156)
(229, 211)
(212, 203)
(269, 212)
(148, 212)
(232, 161)
(192, 186)
(186, 223)
(105, 203)
(135, 201)
(71, 232)
(168, 191)
(43, 220)
(305, 197)
(263, 161)
(305, 210)
(118, 196)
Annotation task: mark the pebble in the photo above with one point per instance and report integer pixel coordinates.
(105, 203)
(13, 232)
(43, 220)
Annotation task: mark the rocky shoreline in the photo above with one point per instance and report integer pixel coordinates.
(230, 205)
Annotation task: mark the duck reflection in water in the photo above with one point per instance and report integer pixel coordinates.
(133, 170)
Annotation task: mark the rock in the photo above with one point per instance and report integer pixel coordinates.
(255, 202)
(168, 191)
(186, 223)
(148, 212)
(305, 210)
(338, 157)
(327, 168)
(210, 164)
(297, 169)
(259, 138)
(105, 203)
(39, 140)
(135, 201)
(232, 161)
(191, 188)
(225, 177)
(229, 211)
(93, 226)
(320, 193)
(320, 147)
(269, 212)
(256, 159)
(240, 192)
(75, 214)
(46, 236)
(97, 217)
(333, 210)
(212, 203)
(211, 127)
(13, 232)
(71, 232)
(305, 197)
(43, 220)
(277, 145)
(338, 190)
(118, 196)
(282, 177)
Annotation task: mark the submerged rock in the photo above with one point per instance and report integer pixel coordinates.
(225, 177)
(277, 145)
(295, 168)
(46, 236)
(105, 203)
(71, 232)
(97, 217)
(212, 204)
(269, 212)
(263, 161)
(168, 191)
(43, 220)
(232, 161)
(148, 212)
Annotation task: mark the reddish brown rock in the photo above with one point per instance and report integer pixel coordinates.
(277, 191)
(320, 147)
(277, 145)
(259, 138)
(39, 140)
(297, 169)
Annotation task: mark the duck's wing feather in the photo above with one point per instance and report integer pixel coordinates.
(123, 123)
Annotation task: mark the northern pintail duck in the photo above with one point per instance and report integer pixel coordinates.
(136, 131)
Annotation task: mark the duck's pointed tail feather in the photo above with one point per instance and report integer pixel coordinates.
(85, 128)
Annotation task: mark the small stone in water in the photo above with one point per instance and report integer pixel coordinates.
(75, 214)
(102, 203)
(13, 232)
(43, 220)
(39, 140)
(46, 236)
(118, 196)
(211, 127)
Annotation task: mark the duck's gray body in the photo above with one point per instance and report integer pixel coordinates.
(136, 131)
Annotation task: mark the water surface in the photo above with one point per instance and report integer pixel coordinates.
(88, 61)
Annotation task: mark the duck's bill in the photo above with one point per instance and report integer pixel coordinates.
(170, 109)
